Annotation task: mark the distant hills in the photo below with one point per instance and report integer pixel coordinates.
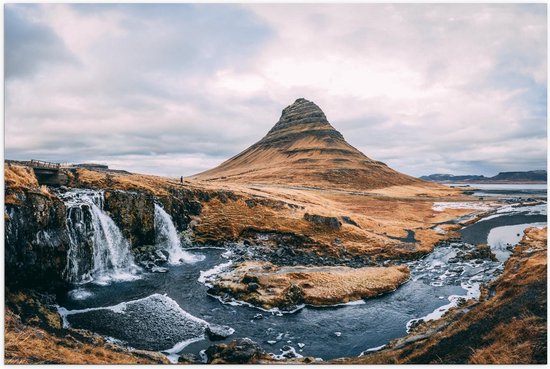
(534, 176)
(304, 149)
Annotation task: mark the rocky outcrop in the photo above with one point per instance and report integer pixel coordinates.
(134, 214)
(239, 351)
(331, 223)
(36, 238)
(182, 204)
(269, 286)
(479, 252)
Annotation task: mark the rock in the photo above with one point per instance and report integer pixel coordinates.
(415, 323)
(288, 352)
(189, 359)
(133, 213)
(239, 351)
(294, 295)
(301, 345)
(36, 239)
(348, 220)
(331, 223)
(480, 252)
(258, 316)
(218, 332)
(253, 287)
(162, 255)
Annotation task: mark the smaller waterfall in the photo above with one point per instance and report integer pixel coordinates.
(98, 251)
(167, 238)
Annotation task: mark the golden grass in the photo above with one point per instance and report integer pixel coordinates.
(19, 177)
(155, 185)
(512, 342)
(378, 218)
(317, 285)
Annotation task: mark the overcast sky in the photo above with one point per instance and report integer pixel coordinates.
(177, 89)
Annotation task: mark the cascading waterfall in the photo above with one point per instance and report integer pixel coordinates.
(98, 251)
(167, 238)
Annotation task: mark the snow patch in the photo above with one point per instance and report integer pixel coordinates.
(441, 206)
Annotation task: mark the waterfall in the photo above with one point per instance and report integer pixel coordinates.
(98, 251)
(167, 238)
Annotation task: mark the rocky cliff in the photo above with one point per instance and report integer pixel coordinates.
(36, 239)
(37, 234)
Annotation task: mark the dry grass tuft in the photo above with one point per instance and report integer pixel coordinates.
(512, 342)
(19, 177)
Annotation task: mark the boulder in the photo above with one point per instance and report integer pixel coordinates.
(218, 332)
(239, 351)
(331, 223)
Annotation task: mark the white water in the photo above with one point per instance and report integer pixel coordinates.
(441, 206)
(500, 238)
(167, 238)
(472, 292)
(94, 234)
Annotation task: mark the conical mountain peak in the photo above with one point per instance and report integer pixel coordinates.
(304, 149)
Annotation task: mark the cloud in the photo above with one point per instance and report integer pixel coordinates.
(31, 46)
(176, 89)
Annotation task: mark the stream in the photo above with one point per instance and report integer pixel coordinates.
(169, 312)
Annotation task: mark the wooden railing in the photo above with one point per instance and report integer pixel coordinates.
(44, 164)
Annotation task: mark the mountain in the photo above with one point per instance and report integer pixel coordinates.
(452, 178)
(304, 149)
(502, 177)
(533, 175)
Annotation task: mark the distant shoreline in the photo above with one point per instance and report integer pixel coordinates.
(490, 182)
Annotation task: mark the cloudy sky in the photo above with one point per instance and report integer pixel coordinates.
(177, 89)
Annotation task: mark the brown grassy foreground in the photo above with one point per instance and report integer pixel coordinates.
(268, 286)
(33, 335)
(509, 326)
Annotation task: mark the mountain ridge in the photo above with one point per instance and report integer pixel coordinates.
(539, 176)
